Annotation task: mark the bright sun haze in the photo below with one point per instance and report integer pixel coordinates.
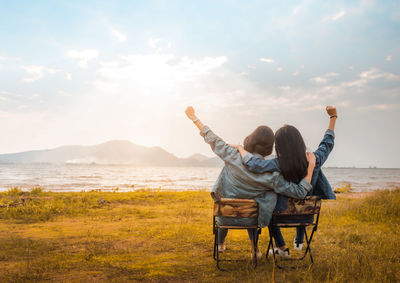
(86, 72)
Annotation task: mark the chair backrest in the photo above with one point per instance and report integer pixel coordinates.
(299, 211)
(307, 206)
(236, 208)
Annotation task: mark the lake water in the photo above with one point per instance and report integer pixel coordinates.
(70, 177)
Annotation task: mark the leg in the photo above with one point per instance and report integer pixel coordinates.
(279, 241)
(300, 235)
(222, 232)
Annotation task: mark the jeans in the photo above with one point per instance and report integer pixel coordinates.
(222, 232)
(280, 242)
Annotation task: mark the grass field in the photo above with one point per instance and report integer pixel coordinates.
(167, 236)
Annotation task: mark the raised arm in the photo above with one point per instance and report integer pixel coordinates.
(326, 145)
(192, 116)
(331, 110)
(220, 148)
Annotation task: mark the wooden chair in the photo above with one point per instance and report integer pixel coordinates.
(299, 213)
(235, 208)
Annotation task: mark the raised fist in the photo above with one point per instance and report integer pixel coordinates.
(331, 110)
(190, 113)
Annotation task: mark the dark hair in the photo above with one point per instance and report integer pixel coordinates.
(291, 152)
(260, 141)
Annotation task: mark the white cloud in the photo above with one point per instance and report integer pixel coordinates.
(153, 42)
(285, 88)
(296, 73)
(267, 60)
(336, 16)
(68, 76)
(251, 67)
(37, 72)
(244, 73)
(389, 58)
(319, 80)
(84, 56)
(279, 69)
(332, 74)
(374, 73)
(118, 35)
(324, 78)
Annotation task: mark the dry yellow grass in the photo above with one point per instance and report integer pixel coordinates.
(167, 236)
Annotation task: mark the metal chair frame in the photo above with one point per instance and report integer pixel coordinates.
(255, 234)
(291, 220)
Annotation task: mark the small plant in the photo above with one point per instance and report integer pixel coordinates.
(345, 188)
(15, 192)
(36, 191)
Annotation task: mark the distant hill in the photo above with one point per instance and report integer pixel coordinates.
(112, 152)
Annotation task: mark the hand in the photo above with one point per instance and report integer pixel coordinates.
(237, 146)
(190, 113)
(311, 159)
(331, 110)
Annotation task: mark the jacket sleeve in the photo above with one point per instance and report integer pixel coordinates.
(324, 148)
(220, 148)
(281, 186)
(260, 165)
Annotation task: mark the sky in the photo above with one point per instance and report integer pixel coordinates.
(86, 72)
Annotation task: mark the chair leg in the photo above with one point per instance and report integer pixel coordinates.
(271, 245)
(308, 246)
(254, 244)
(308, 240)
(216, 248)
(215, 245)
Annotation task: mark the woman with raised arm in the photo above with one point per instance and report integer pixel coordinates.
(235, 181)
(292, 163)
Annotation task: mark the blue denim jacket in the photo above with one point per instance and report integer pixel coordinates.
(320, 184)
(235, 181)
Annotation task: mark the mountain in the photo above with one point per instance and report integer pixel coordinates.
(112, 152)
(199, 157)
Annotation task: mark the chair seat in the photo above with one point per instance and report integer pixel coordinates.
(236, 227)
(292, 224)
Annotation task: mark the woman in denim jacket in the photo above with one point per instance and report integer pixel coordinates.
(291, 162)
(235, 181)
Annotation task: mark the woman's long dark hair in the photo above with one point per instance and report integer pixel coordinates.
(260, 141)
(291, 152)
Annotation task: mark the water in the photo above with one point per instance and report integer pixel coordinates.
(78, 177)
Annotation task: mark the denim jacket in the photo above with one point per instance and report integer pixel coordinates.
(235, 181)
(320, 184)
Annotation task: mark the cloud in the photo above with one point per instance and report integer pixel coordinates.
(68, 77)
(332, 74)
(389, 58)
(119, 35)
(296, 73)
(375, 73)
(319, 80)
(267, 60)
(37, 72)
(84, 56)
(324, 78)
(279, 69)
(153, 42)
(336, 16)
